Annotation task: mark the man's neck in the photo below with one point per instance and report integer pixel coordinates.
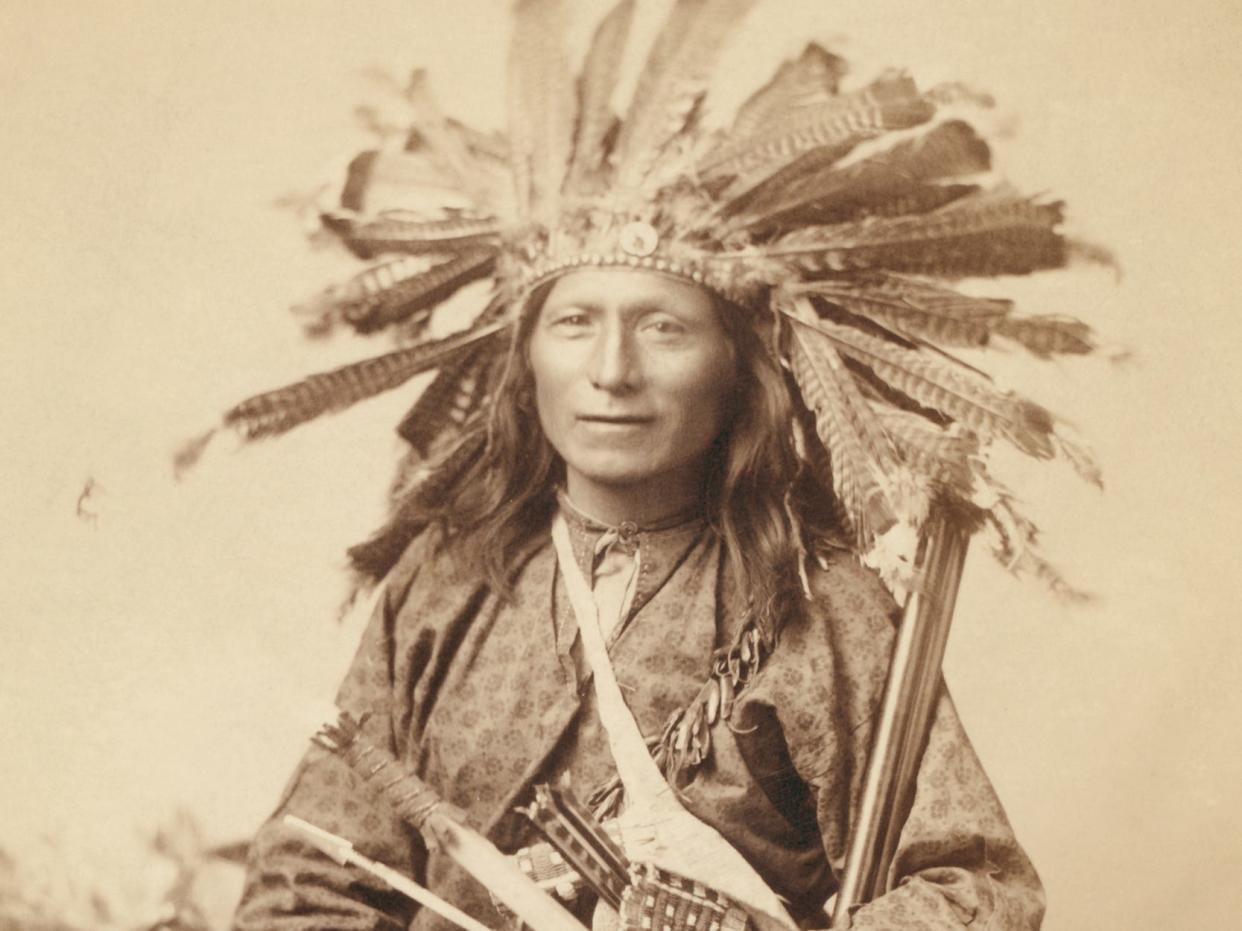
(645, 503)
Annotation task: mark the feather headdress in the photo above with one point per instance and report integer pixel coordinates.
(844, 215)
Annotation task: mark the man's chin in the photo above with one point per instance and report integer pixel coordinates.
(615, 472)
(618, 479)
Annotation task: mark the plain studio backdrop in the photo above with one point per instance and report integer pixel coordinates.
(170, 645)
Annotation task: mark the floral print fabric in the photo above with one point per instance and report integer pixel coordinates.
(483, 697)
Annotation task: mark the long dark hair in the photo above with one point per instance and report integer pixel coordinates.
(758, 498)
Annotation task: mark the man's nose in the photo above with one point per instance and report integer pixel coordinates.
(613, 365)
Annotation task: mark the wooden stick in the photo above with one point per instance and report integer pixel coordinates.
(501, 875)
(342, 851)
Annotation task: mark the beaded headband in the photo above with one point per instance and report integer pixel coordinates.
(634, 245)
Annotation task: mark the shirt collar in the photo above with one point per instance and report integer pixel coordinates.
(663, 544)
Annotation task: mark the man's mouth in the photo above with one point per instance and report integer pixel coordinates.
(614, 420)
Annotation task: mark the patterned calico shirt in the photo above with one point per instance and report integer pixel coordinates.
(483, 697)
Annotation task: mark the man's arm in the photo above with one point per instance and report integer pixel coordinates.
(291, 886)
(958, 862)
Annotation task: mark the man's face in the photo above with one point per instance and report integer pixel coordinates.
(633, 375)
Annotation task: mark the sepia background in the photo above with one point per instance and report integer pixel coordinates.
(167, 647)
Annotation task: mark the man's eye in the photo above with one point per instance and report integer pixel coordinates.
(664, 326)
(570, 320)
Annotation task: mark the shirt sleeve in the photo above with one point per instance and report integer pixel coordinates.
(292, 886)
(958, 863)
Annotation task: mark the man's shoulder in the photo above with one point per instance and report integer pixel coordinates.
(847, 613)
(438, 565)
(850, 595)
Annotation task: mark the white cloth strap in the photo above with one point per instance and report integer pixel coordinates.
(655, 827)
(644, 784)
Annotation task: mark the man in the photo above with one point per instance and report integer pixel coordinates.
(706, 381)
